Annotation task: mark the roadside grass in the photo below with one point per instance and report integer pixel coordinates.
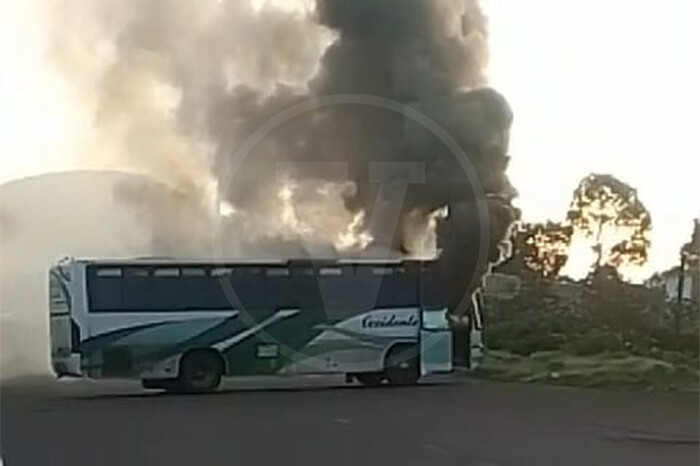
(668, 371)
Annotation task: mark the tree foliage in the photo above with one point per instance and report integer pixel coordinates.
(692, 248)
(539, 248)
(601, 314)
(608, 213)
(691, 253)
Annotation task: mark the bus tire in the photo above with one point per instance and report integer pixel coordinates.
(370, 379)
(200, 372)
(402, 365)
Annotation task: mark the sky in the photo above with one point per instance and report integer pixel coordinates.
(607, 86)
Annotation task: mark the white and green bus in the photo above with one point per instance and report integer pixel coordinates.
(183, 325)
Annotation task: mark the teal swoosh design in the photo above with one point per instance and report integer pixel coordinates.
(278, 316)
(356, 335)
(105, 339)
(169, 333)
(337, 345)
(152, 340)
(204, 339)
(238, 341)
(290, 331)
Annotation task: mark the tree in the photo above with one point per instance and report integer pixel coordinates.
(616, 308)
(540, 248)
(608, 213)
(691, 249)
(690, 253)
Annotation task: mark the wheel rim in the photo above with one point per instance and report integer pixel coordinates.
(201, 374)
(402, 370)
(203, 378)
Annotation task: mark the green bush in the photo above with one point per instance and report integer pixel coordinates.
(595, 342)
(523, 337)
(611, 370)
(687, 342)
(606, 317)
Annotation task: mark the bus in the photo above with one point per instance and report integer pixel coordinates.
(182, 326)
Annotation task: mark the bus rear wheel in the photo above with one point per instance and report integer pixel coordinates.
(200, 372)
(402, 366)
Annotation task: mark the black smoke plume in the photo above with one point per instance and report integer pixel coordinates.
(234, 69)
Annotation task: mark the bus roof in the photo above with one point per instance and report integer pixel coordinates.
(156, 261)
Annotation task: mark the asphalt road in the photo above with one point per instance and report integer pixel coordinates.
(323, 422)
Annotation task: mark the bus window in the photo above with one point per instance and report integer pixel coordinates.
(136, 272)
(164, 291)
(137, 290)
(221, 272)
(435, 319)
(194, 272)
(347, 290)
(395, 290)
(166, 272)
(105, 289)
(277, 272)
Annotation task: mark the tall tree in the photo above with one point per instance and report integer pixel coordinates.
(691, 253)
(608, 213)
(540, 248)
(691, 249)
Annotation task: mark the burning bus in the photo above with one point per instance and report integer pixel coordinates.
(184, 325)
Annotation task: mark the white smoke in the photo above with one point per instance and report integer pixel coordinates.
(42, 220)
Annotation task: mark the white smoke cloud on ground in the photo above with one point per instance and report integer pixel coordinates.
(43, 219)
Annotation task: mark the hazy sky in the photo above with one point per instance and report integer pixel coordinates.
(596, 86)
(603, 86)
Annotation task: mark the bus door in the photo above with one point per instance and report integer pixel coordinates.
(435, 341)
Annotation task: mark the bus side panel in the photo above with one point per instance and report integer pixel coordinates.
(267, 342)
(356, 344)
(288, 325)
(128, 345)
(366, 310)
(139, 320)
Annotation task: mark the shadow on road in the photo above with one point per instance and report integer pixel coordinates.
(260, 390)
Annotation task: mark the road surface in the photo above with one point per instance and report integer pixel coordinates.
(457, 421)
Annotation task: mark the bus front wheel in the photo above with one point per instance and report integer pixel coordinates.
(402, 365)
(200, 372)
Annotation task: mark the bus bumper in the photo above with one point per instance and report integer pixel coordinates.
(66, 366)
